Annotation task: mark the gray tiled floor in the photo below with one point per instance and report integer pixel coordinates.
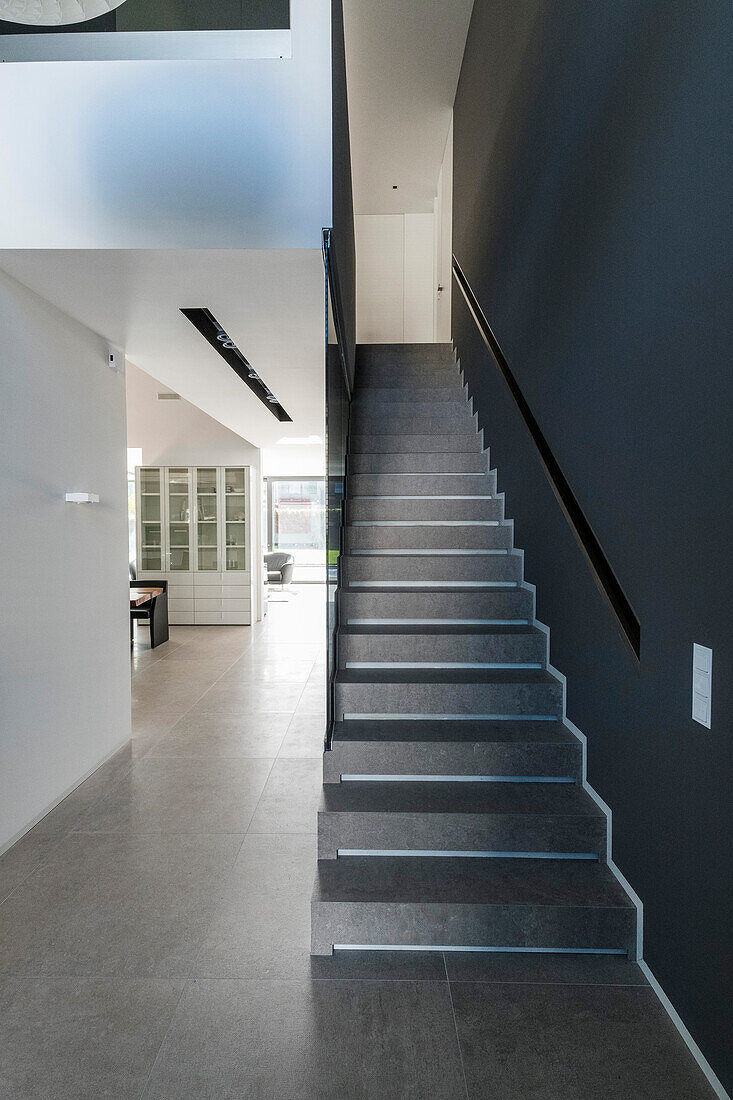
(154, 927)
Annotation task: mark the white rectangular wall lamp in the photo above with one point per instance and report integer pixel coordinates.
(83, 498)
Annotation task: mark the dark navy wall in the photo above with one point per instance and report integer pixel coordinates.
(343, 203)
(592, 217)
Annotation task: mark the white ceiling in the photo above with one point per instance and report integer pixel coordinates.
(170, 154)
(403, 60)
(270, 303)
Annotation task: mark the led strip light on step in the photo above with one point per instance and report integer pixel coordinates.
(428, 523)
(392, 778)
(437, 622)
(398, 853)
(503, 950)
(425, 553)
(451, 718)
(471, 665)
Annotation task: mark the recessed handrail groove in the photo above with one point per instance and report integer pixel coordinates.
(600, 567)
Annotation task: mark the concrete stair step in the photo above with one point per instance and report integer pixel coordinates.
(431, 569)
(460, 903)
(450, 418)
(424, 508)
(512, 750)
(513, 645)
(460, 817)
(369, 396)
(424, 462)
(421, 484)
(431, 443)
(475, 606)
(401, 354)
(480, 539)
(490, 693)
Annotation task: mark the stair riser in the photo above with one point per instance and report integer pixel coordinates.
(468, 442)
(423, 509)
(405, 353)
(449, 699)
(367, 397)
(445, 832)
(452, 419)
(527, 649)
(471, 925)
(504, 568)
(451, 758)
(410, 384)
(503, 604)
(430, 538)
(376, 462)
(420, 484)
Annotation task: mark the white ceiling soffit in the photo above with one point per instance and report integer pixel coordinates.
(403, 61)
(170, 154)
(270, 303)
(52, 13)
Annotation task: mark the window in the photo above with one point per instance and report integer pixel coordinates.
(296, 522)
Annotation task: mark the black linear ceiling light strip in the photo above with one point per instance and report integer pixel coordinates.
(600, 567)
(205, 321)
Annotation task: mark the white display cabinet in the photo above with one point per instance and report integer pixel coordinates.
(194, 529)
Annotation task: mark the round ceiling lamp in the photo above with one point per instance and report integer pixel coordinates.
(54, 13)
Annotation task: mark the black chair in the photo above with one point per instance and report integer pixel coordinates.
(279, 567)
(155, 611)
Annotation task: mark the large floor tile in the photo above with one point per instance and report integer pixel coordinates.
(304, 736)
(496, 966)
(212, 736)
(254, 698)
(290, 799)
(182, 795)
(81, 1038)
(116, 905)
(554, 1042)
(254, 668)
(313, 699)
(72, 809)
(261, 928)
(23, 858)
(315, 1040)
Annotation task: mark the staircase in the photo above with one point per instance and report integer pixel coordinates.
(453, 813)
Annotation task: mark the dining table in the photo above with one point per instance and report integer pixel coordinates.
(140, 596)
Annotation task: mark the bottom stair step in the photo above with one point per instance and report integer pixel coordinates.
(383, 901)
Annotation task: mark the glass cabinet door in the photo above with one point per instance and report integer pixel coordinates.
(235, 498)
(207, 519)
(150, 503)
(179, 519)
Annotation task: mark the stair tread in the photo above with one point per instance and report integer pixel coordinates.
(465, 881)
(445, 676)
(542, 799)
(438, 629)
(444, 732)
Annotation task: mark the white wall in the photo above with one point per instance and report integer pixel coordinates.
(170, 154)
(395, 268)
(64, 628)
(177, 433)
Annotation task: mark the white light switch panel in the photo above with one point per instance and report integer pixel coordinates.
(702, 683)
